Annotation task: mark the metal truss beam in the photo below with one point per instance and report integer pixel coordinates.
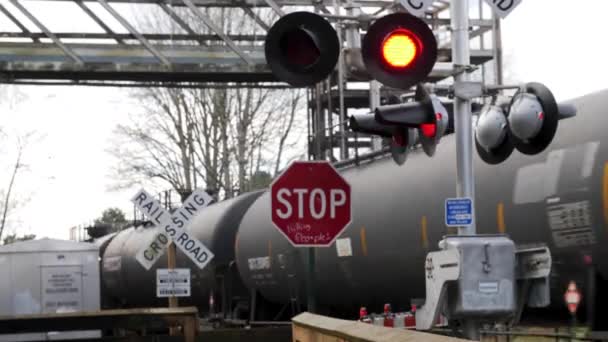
(128, 36)
(248, 3)
(47, 32)
(173, 58)
(123, 62)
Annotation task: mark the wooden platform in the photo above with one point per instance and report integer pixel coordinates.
(308, 327)
(131, 319)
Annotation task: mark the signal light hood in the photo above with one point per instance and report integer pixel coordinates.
(439, 118)
(302, 49)
(406, 67)
(530, 123)
(491, 140)
(532, 141)
(402, 140)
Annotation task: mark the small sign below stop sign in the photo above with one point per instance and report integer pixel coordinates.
(310, 203)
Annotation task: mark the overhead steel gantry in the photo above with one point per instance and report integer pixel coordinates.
(192, 44)
(121, 53)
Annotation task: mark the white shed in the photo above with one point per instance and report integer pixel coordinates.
(48, 276)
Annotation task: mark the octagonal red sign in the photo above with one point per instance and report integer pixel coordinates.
(310, 203)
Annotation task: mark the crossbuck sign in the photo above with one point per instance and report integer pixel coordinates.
(172, 228)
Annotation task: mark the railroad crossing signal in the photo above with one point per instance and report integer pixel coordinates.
(572, 297)
(527, 124)
(399, 50)
(425, 121)
(302, 49)
(172, 227)
(310, 203)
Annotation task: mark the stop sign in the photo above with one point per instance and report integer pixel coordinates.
(310, 203)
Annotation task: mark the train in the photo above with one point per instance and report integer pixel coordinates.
(558, 198)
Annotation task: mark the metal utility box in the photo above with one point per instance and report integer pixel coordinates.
(49, 276)
(487, 284)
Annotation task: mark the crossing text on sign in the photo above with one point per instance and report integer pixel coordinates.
(173, 227)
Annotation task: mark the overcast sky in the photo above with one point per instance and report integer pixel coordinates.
(558, 42)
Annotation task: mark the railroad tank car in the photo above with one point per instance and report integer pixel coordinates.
(558, 197)
(126, 283)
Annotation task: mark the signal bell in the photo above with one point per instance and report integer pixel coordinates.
(399, 50)
(302, 49)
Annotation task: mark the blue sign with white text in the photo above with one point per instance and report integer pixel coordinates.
(458, 212)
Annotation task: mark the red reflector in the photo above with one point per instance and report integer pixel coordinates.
(400, 48)
(541, 115)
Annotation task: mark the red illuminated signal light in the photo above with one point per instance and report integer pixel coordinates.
(400, 48)
(429, 130)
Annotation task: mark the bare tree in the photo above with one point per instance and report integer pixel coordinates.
(11, 95)
(217, 138)
(8, 202)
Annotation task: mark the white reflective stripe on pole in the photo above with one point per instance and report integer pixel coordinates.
(462, 108)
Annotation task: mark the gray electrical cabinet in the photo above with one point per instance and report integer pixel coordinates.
(48, 276)
(487, 282)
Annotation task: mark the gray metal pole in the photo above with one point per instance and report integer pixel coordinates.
(374, 102)
(463, 123)
(497, 39)
(482, 43)
(311, 301)
(341, 70)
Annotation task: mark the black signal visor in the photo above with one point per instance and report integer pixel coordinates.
(302, 49)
